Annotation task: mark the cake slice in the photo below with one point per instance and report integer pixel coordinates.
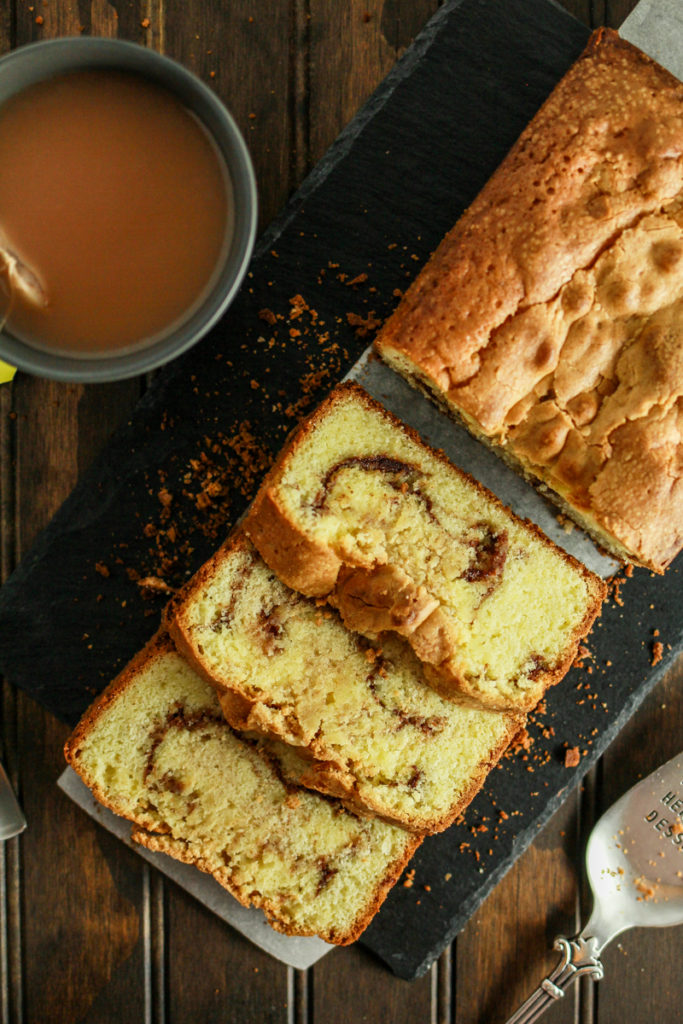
(359, 511)
(368, 727)
(156, 749)
(550, 318)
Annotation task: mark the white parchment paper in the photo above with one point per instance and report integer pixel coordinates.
(656, 26)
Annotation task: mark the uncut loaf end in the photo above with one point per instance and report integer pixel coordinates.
(550, 318)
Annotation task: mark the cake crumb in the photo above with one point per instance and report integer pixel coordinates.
(565, 522)
(522, 741)
(657, 653)
(615, 585)
(571, 757)
(363, 324)
(155, 583)
(645, 888)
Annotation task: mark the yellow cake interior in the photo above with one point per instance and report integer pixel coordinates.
(376, 496)
(405, 752)
(161, 754)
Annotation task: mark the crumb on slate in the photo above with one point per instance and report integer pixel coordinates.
(571, 757)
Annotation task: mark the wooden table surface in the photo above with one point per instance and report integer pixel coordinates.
(87, 931)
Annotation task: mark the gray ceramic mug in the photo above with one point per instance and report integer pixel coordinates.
(40, 61)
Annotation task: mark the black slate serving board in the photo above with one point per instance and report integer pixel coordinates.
(377, 204)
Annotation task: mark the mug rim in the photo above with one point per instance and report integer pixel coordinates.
(122, 55)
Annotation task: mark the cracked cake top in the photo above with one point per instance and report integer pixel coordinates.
(550, 317)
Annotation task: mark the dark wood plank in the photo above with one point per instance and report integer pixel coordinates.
(506, 949)
(79, 943)
(350, 985)
(580, 9)
(243, 51)
(609, 12)
(11, 988)
(353, 47)
(62, 851)
(214, 974)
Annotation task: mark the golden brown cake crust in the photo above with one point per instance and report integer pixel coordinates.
(311, 568)
(372, 598)
(551, 316)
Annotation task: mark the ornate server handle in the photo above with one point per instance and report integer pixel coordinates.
(578, 958)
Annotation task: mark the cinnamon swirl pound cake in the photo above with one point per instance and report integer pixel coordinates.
(156, 749)
(359, 511)
(550, 319)
(369, 729)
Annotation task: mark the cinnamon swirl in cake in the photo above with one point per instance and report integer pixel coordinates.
(358, 511)
(156, 749)
(355, 719)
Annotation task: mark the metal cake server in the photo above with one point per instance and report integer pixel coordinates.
(634, 860)
(12, 820)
